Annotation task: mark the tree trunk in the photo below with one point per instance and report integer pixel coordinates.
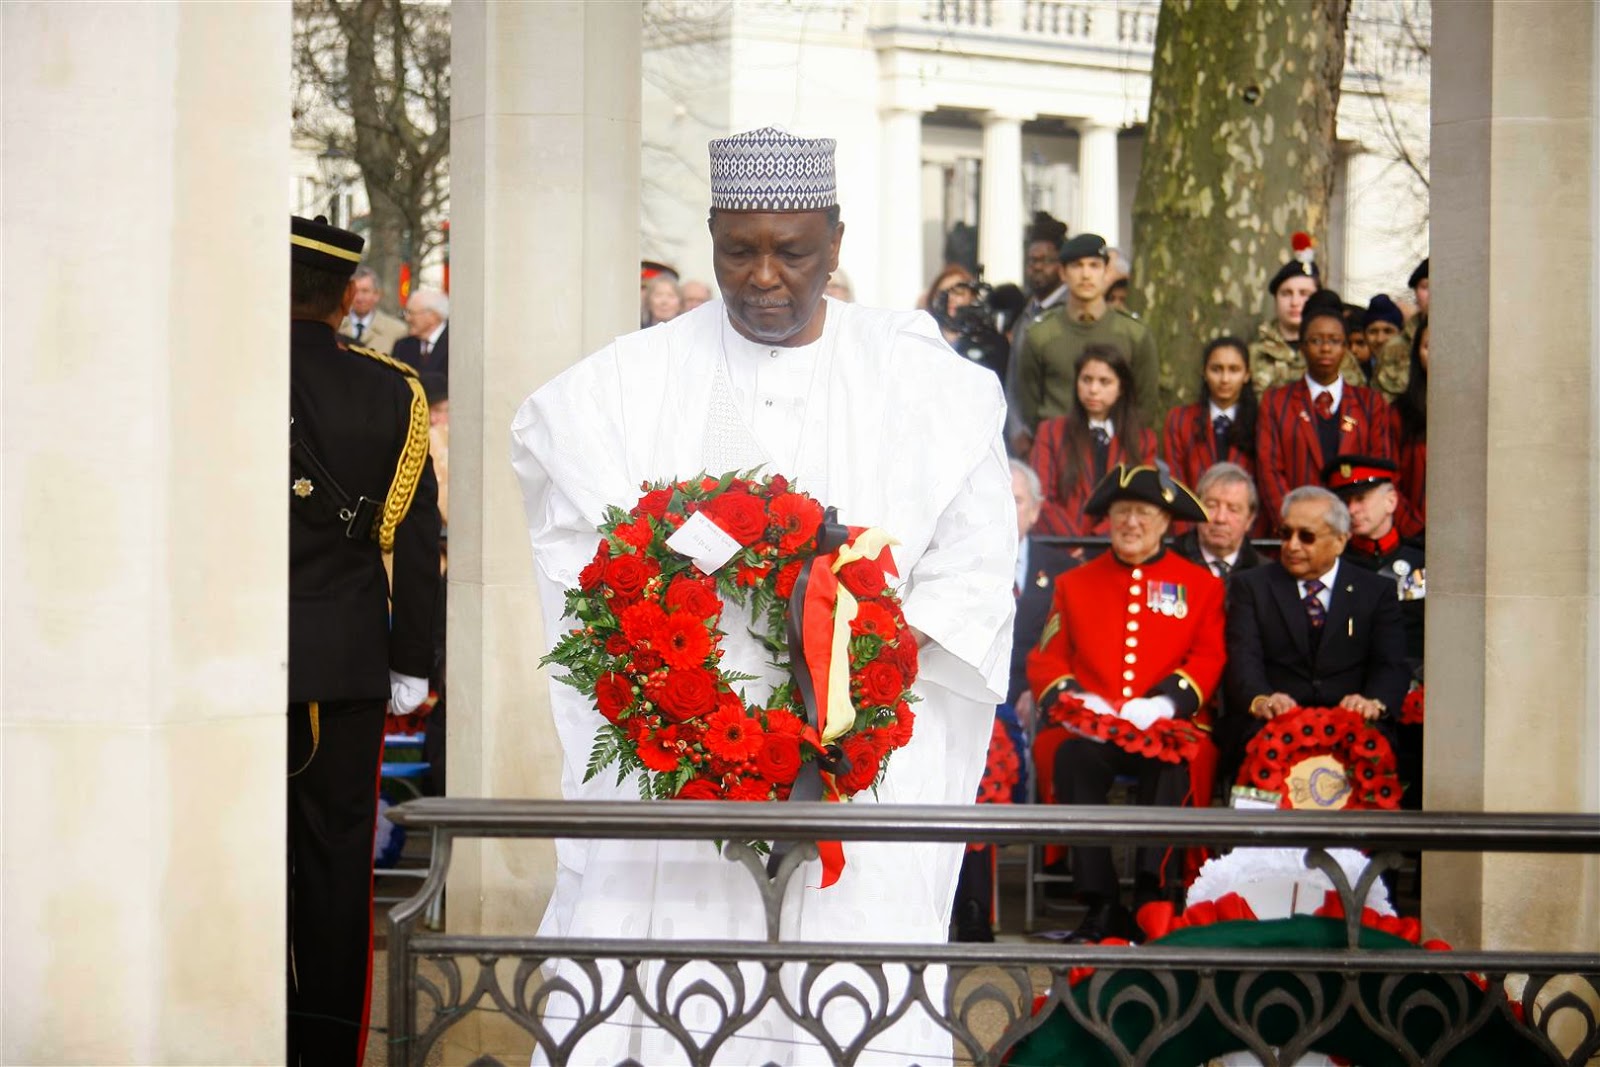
(1238, 155)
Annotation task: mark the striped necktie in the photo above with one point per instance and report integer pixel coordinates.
(1316, 614)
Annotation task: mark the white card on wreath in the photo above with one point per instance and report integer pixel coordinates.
(704, 542)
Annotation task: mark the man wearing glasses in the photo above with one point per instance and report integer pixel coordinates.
(1311, 631)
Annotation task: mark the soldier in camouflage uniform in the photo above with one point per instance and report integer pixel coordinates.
(1393, 360)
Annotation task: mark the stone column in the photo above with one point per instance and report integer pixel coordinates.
(545, 252)
(1098, 206)
(1000, 199)
(900, 211)
(1513, 604)
(144, 594)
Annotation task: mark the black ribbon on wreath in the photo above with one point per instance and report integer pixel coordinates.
(831, 536)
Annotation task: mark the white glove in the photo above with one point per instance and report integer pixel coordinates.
(1145, 711)
(406, 693)
(1096, 703)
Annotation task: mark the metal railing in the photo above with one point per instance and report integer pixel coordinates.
(437, 979)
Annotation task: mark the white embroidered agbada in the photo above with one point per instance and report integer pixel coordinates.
(880, 419)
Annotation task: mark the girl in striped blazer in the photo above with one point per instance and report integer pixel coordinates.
(1072, 452)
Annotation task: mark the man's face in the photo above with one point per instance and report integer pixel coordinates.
(772, 268)
(1422, 295)
(1309, 518)
(1136, 529)
(1228, 504)
(1379, 333)
(695, 294)
(420, 321)
(1372, 511)
(1085, 278)
(1291, 301)
(1027, 506)
(1042, 269)
(366, 297)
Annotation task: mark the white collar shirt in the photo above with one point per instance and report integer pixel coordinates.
(1336, 389)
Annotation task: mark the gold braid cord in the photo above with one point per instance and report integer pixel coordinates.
(413, 457)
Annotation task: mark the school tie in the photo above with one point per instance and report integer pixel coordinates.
(1102, 450)
(1220, 427)
(1316, 614)
(1324, 405)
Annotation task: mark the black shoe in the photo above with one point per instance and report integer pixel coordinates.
(972, 923)
(1103, 920)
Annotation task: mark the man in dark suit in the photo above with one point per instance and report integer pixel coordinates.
(1310, 630)
(1038, 564)
(427, 348)
(1222, 546)
(360, 484)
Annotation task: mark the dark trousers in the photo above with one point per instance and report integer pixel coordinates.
(975, 886)
(333, 808)
(1084, 773)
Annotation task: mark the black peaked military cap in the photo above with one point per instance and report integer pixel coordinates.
(1084, 246)
(315, 244)
(1150, 485)
(1418, 275)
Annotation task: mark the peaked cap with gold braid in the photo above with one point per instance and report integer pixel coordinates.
(408, 471)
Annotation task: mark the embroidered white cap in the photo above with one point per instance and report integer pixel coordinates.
(772, 170)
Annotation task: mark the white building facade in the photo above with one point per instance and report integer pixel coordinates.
(979, 112)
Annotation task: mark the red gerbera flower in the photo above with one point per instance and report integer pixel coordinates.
(732, 735)
(684, 641)
(797, 518)
(659, 750)
(872, 618)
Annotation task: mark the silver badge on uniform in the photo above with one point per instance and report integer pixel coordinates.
(1401, 567)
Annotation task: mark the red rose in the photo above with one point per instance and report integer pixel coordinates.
(626, 575)
(779, 758)
(777, 484)
(863, 577)
(654, 504)
(688, 693)
(797, 517)
(881, 682)
(788, 575)
(591, 575)
(616, 644)
(864, 765)
(612, 695)
(699, 789)
(645, 660)
(741, 516)
(695, 596)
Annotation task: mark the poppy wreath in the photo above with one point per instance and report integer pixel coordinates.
(1167, 740)
(648, 647)
(1359, 748)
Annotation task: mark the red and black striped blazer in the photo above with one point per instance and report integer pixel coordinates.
(1411, 517)
(1191, 447)
(1288, 451)
(1063, 516)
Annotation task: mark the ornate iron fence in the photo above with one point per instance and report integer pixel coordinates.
(1426, 1007)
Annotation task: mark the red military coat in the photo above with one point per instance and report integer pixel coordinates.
(1063, 516)
(1123, 632)
(1288, 451)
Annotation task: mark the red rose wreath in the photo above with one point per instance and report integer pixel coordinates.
(1360, 749)
(648, 651)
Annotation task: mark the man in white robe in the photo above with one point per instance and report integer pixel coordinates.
(865, 410)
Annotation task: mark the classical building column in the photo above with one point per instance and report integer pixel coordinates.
(145, 534)
(900, 210)
(1001, 199)
(544, 200)
(1514, 443)
(1099, 209)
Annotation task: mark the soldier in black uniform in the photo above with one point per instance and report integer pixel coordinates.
(360, 484)
(1366, 484)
